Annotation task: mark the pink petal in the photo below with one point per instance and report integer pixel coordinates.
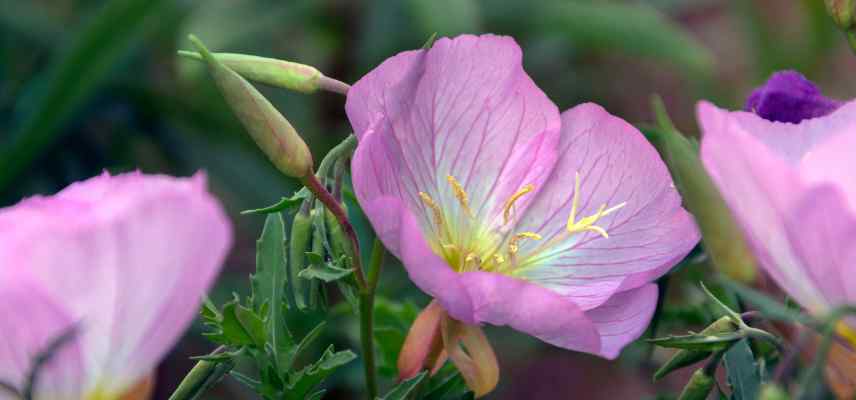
(832, 162)
(465, 108)
(822, 231)
(648, 236)
(129, 257)
(540, 312)
(788, 141)
(760, 187)
(31, 321)
(624, 318)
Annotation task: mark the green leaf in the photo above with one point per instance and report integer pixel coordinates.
(698, 341)
(392, 323)
(636, 29)
(405, 389)
(743, 374)
(231, 330)
(771, 309)
(286, 203)
(295, 352)
(683, 358)
(447, 384)
(303, 382)
(325, 271)
(269, 282)
(107, 36)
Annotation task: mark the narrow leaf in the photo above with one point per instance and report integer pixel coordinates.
(743, 375)
(405, 389)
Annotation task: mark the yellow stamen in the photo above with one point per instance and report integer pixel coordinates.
(435, 209)
(471, 260)
(460, 194)
(513, 244)
(506, 211)
(498, 258)
(587, 223)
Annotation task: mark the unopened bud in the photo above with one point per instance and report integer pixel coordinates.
(270, 130)
(842, 12)
(339, 242)
(698, 387)
(301, 239)
(771, 391)
(279, 73)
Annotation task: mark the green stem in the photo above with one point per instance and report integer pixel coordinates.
(202, 377)
(367, 317)
(314, 185)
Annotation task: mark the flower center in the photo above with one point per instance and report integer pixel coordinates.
(467, 248)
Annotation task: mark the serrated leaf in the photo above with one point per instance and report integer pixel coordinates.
(295, 352)
(771, 309)
(742, 371)
(683, 358)
(228, 329)
(715, 342)
(269, 282)
(304, 381)
(253, 325)
(286, 203)
(326, 272)
(405, 389)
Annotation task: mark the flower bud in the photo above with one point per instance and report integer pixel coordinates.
(339, 242)
(278, 73)
(771, 391)
(721, 236)
(301, 239)
(270, 130)
(698, 387)
(841, 12)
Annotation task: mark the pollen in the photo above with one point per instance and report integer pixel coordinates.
(509, 205)
(460, 194)
(587, 223)
(435, 208)
(514, 242)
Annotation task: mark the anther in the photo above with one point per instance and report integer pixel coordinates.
(506, 211)
(435, 209)
(460, 194)
(513, 243)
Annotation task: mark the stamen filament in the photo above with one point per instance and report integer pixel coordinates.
(460, 194)
(506, 211)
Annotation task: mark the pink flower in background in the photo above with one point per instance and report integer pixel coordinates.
(792, 187)
(122, 260)
(507, 212)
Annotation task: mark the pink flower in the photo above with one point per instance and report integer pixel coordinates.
(792, 188)
(507, 212)
(122, 260)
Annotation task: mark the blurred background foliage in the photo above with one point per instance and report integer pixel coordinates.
(88, 85)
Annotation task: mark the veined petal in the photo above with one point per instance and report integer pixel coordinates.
(129, 257)
(832, 162)
(790, 142)
(647, 236)
(465, 109)
(822, 231)
(623, 318)
(31, 321)
(760, 186)
(502, 300)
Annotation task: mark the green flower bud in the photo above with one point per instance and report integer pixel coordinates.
(721, 236)
(842, 12)
(301, 239)
(270, 130)
(339, 242)
(683, 358)
(771, 391)
(698, 387)
(274, 72)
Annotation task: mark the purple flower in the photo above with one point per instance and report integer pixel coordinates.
(507, 212)
(789, 97)
(121, 260)
(792, 189)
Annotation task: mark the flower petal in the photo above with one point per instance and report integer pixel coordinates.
(789, 141)
(832, 162)
(129, 257)
(822, 231)
(646, 237)
(760, 187)
(466, 109)
(624, 318)
(31, 321)
(532, 309)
